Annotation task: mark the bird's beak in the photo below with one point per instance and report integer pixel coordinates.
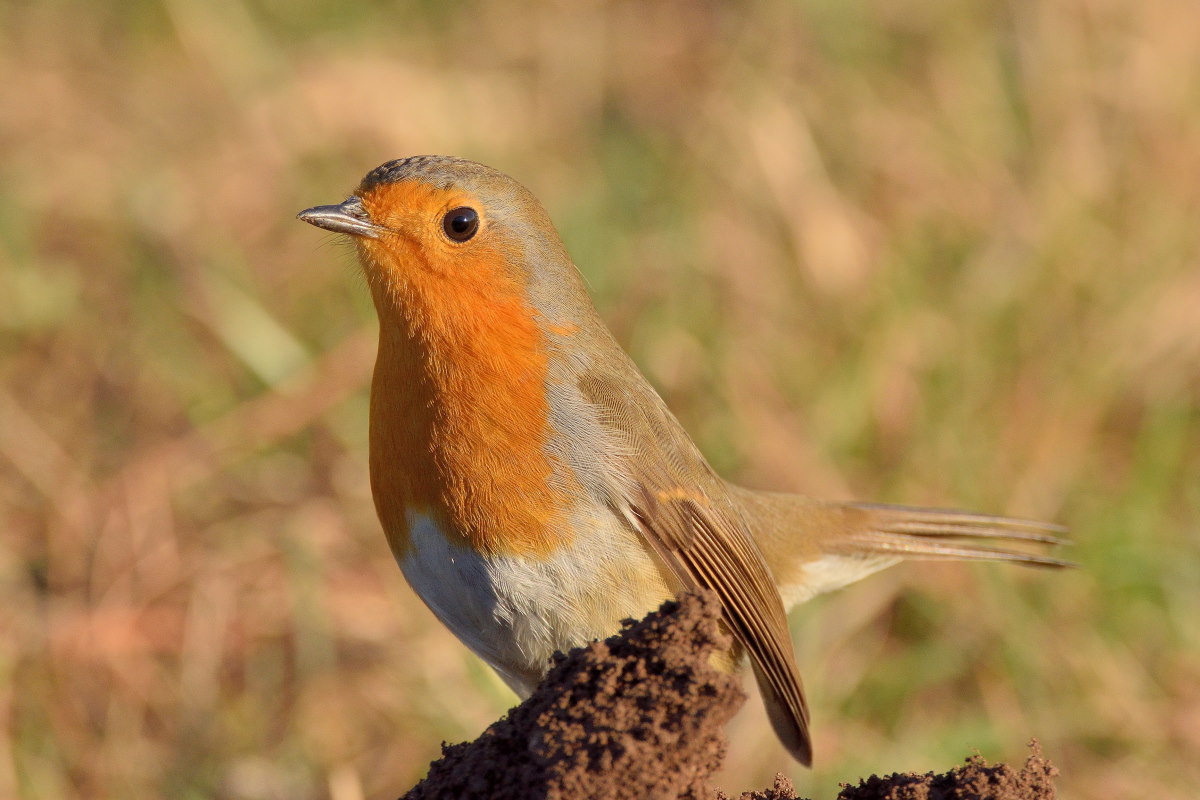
(349, 217)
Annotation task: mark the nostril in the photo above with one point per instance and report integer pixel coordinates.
(355, 208)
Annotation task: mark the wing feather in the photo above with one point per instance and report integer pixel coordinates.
(706, 549)
(687, 515)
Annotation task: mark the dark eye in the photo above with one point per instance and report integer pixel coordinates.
(461, 223)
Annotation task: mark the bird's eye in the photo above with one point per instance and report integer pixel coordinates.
(461, 223)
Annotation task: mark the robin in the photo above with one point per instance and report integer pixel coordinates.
(535, 489)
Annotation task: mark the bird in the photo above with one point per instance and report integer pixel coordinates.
(535, 489)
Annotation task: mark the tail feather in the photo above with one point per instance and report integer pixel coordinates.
(935, 533)
(814, 546)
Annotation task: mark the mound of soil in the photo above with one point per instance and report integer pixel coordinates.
(642, 715)
(975, 781)
(638, 715)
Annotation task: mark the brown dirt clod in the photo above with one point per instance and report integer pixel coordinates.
(974, 781)
(640, 714)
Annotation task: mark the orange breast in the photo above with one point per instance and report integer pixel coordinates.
(458, 408)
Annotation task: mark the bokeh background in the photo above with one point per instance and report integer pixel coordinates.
(935, 253)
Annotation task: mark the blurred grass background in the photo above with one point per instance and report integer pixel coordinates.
(935, 253)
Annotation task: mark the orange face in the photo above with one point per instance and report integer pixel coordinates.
(413, 216)
(458, 407)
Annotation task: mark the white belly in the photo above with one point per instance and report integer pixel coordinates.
(515, 611)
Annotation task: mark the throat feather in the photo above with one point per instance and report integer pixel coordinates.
(459, 424)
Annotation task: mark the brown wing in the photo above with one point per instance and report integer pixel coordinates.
(706, 549)
(685, 513)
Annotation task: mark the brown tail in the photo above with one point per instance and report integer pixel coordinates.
(813, 546)
(938, 533)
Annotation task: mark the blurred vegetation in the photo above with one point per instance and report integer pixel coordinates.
(936, 253)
